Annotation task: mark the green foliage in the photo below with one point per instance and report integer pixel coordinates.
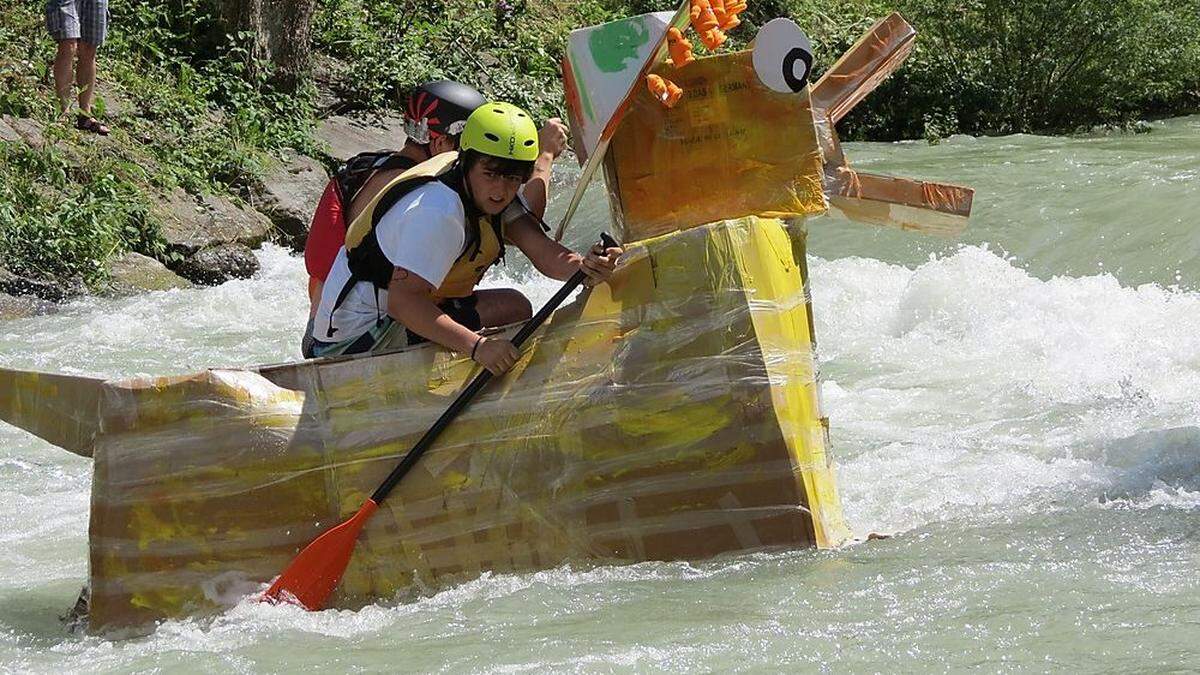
(216, 124)
(187, 111)
(61, 220)
(192, 117)
(979, 66)
(509, 49)
(23, 64)
(997, 66)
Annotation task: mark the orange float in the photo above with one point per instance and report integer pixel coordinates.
(667, 92)
(679, 47)
(702, 17)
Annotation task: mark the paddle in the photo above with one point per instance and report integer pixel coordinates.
(316, 571)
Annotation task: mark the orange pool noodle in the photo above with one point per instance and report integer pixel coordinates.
(718, 8)
(702, 17)
(713, 39)
(679, 47)
(667, 92)
(731, 9)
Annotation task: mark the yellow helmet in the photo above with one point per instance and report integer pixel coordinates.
(501, 130)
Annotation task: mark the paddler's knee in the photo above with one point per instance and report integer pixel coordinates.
(502, 306)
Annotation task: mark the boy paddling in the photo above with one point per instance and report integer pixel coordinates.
(415, 252)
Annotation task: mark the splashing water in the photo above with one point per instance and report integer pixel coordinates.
(1021, 407)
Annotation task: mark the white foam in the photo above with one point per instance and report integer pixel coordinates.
(967, 383)
(960, 390)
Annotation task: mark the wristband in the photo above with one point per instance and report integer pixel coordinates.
(475, 347)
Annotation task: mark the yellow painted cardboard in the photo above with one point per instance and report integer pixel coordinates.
(671, 416)
(731, 147)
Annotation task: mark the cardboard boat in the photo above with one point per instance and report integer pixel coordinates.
(672, 414)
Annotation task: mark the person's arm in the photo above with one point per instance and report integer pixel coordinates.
(315, 288)
(410, 301)
(421, 235)
(422, 241)
(557, 261)
(552, 140)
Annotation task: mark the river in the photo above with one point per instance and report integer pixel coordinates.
(1019, 407)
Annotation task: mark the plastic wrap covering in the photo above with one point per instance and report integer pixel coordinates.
(924, 206)
(672, 415)
(874, 57)
(730, 147)
(60, 409)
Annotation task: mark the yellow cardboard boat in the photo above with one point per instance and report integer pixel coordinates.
(672, 414)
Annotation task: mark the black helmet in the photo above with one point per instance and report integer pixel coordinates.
(439, 109)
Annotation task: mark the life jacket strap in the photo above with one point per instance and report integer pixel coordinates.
(342, 295)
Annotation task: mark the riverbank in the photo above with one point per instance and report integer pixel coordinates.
(204, 165)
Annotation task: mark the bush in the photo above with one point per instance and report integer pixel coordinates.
(195, 121)
(997, 67)
(509, 49)
(979, 66)
(59, 220)
(198, 119)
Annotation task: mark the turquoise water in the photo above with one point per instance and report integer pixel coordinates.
(1020, 408)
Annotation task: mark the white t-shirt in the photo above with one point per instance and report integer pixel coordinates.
(424, 232)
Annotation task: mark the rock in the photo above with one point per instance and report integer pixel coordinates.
(52, 291)
(26, 130)
(134, 273)
(116, 106)
(75, 620)
(327, 72)
(346, 137)
(7, 133)
(15, 307)
(289, 195)
(216, 265)
(191, 224)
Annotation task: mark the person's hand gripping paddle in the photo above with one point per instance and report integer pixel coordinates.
(317, 570)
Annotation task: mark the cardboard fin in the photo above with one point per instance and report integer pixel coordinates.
(923, 206)
(875, 56)
(63, 410)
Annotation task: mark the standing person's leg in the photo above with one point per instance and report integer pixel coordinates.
(62, 22)
(64, 62)
(93, 17)
(85, 76)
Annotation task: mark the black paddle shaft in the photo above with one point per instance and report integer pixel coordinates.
(480, 381)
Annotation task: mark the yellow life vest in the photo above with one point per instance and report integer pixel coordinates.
(484, 240)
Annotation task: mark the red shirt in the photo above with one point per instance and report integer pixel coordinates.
(326, 234)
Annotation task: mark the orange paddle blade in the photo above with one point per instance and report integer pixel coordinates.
(313, 574)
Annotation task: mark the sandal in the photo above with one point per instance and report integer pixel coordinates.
(89, 123)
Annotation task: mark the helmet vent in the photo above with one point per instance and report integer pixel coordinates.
(492, 137)
(528, 143)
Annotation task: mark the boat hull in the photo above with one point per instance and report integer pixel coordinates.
(670, 416)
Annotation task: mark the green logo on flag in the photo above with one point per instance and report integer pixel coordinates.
(612, 44)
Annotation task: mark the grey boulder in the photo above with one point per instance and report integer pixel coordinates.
(216, 265)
